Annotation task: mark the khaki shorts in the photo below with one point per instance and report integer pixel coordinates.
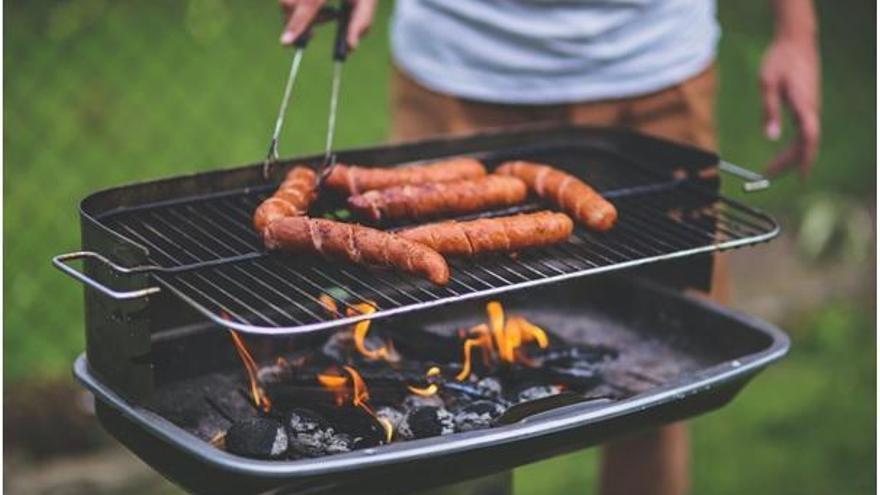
(684, 113)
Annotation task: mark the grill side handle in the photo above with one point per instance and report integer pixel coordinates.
(60, 262)
(752, 181)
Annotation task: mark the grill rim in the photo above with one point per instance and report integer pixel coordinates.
(558, 420)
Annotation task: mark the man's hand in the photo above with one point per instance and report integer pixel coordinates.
(790, 76)
(299, 14)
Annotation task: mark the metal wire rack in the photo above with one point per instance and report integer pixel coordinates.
(204, 249)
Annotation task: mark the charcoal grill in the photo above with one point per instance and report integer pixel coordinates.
(168, 263)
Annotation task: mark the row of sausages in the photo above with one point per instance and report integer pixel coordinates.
(450, 187)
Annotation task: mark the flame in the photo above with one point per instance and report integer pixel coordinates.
(361, 329)
(360, 395)
(481, 339)
(432, 388)
(329, 304)
(257, 393)
(503, 337)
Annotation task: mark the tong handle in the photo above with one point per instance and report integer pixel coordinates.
(61, 261)
(343, 19)
(752, 181)
(325, 14)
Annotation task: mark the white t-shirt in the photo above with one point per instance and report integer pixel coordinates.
(552, 51)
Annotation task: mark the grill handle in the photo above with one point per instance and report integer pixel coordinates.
(61, 261)
(752, 181)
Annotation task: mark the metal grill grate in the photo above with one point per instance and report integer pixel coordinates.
(211, 258)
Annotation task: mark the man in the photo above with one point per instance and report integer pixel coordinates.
(464, 65)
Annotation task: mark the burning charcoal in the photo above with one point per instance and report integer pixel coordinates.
(279, 372)
(424, 422)
(416, 401)
(490, 387)
(259, 438)
(537, 392)
(338, 347)
(572, 356)
(312, 436)
(391, 415)
(477, 415)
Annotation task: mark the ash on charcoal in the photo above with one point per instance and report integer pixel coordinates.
(477, 415)
(489, 386)
(312, 436)
(417, 401)
(536, 392)
(391, 415)
(260, 438)
(424, 422)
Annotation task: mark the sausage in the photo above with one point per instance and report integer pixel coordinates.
(356, 244)
(566, 191)
(492, 235)
(433, 199)
(350, 179)
(292, 198)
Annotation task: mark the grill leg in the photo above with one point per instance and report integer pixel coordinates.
(494, 484)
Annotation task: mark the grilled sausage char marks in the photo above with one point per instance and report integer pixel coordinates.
(350, 179)
(566, 191)
(440, 198)
(292, 198)
(356, 244)
(493, 235)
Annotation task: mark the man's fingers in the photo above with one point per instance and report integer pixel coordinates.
(361, 20)
(770, 96)
(785, 160)
(303, 12)
(808, 127)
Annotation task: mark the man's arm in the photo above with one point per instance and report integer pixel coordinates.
(790, 76)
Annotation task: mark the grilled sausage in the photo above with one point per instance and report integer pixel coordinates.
(491, 235)
(292, 198)
(356, 244)
(433, 199)
(566, 191)
(350, 179)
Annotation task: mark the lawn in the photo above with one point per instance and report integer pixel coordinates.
(100, 93)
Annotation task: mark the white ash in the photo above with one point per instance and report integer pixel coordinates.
(391, 415)
(477, 415)
(489, 386)
(279, 446)
(537, 392)
(310, 436)
(416, 401)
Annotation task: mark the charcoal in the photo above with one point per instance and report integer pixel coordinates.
(416, 401)
(312, 436)
(259, 438)
(536, 392)
(424, 422)
(477, 415)
(417, 344)
(574, 355)
(490, 387)
(391, 415)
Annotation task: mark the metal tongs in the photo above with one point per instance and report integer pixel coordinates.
(342, 15)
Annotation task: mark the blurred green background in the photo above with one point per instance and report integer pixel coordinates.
(102, 92)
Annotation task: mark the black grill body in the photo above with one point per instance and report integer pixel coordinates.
(723, 349)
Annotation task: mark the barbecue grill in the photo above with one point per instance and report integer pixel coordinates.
(168, 263)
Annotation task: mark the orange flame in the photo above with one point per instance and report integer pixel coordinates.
(360, 395)
(432, 388)
(361, 329)
(329, 304)
(507, 335)
(257, 393)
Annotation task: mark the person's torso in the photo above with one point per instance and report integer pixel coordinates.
(552, 51)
